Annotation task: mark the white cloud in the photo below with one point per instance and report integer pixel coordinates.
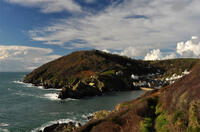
(146, 24)
(23, 58)
(190, 48)
(157, 55)
(49, 6)
(133, 51)
(154, 55)
(106, 51)
(170, 56)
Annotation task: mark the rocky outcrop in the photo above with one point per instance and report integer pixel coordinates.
(96, 86)
(63, 127)
(79, 90)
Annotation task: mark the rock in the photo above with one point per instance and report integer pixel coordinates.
(78, 124)
(78, 91)
(100, 114)
(91, 84)
(63, 127)
(119, 73)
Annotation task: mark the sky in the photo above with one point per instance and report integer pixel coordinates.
(33, 32)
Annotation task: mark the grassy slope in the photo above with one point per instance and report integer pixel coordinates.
(175, 108)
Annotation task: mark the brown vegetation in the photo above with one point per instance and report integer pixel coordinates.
(175, 108)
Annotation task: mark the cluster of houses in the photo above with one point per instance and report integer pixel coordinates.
(152, 81)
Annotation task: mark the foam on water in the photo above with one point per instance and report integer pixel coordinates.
(4, 130)
(25, 84)
(87, 115)
(39, 87)
(51, 96)
(52, 89)
(51, 123)
(54, 97)
(4, 124)
(19, 82)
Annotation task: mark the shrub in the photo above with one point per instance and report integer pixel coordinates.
(161, 123)
(146, 124)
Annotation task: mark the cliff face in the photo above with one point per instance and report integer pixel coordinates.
(175, 108)
(90, 73)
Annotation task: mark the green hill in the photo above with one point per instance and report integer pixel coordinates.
(90, 73)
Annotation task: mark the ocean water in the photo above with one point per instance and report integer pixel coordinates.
(25, 108)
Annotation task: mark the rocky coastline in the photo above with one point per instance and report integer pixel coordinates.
(95, 73)
(62, 127)
(171, 108)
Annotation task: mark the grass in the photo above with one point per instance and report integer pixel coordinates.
(191, 129)
(101, 114)
(146, 124)
(178, 116)
(109, 72)
(194, 122)
(125, 104)
(161, 123)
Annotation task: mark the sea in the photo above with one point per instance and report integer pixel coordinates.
(26, 108)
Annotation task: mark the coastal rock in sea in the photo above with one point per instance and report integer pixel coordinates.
(78, 91)
(63, 127)
(96, 86)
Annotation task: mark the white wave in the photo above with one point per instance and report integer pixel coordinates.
(51, 96)
(53, 89)
(19, 82)
(40, 87)
(4, 124)
(26, 84)
(68, 99)
(4, 130)
(54, 97)
(33, 86)
(87, 115)
(51, 123)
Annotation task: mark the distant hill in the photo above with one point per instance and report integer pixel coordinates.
(89, 73)
(174, 108)
(81, 64)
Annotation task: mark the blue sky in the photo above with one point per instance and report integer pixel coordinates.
(33, 32)
(16, 20)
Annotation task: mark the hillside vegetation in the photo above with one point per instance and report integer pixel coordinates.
(175, 108)
(90, 73)
(80, 65)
